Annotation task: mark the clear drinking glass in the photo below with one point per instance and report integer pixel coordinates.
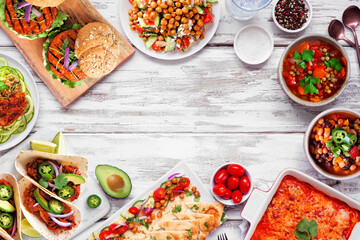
(245, 9)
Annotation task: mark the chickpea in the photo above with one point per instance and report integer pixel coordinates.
(131, 225)
(140, 14)
(134, 4)
(192, 33)
(194, 10)
(150, 9)
(158, 2)
(162, 201)
(178, 4)
(158, 9)
(178, 41)
(168, 183)
(202, 36)
(130, 12)
(182, 2)
(321, 121)
(133, 28)
(172, 199)
(185, 10)
(153, 5)
(163, 5)
(144, 39)
(163, 27)
(197, 2)
(210, 9)
(131, 23)
(173, 32)
(179, 12)
(170, 26)
(170, 9)
(161, 38)
(176, 24)
(139, 34)
(163, 23)
(162, 208)
(149, 220)
(156, 30)
(169, 2)
(134, 229)
(169, 192)
(184, 20)
(172, 20)
(191, 14)
(152, 215)
(197, 17)
(167, 16)
(153, 15)
(159, 214)
(198, 33)
(188, 2)
(185, 26)
(186, 189)
(177, 18)
(197, 194)
(182, 196)
(187, 15)
(193, 189)
(200, 23)
(157, 205)
(135, 10)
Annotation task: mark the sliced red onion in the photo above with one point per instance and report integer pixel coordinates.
(55, 168)
(111, 236)
(14, 229)
(61, 169)
(142, 217)
(62, 224)
(36, 12)
(51, 185)
(35, 204)
(148, 210)
(145, 201)
(127, 214)
(74, 65)
(141, 208)
(66, 58)
(178, 190)
(120, 225)
(53, 189)
(23, 4)
(75, 170)
(173, 175)
(62, 215)
(27, 13)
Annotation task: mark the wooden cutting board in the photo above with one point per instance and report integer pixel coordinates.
(79, 11)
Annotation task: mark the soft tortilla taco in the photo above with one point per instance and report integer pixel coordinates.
(52, 218)
(10, 211)
(62, 176)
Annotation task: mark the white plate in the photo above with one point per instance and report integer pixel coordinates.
(125, 6)
(89, 216)
(17, 138)
(182, 167)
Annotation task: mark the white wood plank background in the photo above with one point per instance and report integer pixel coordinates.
(215, 110)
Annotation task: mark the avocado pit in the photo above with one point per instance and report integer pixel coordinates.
(115, 182)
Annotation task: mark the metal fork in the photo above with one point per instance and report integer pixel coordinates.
(222, 236)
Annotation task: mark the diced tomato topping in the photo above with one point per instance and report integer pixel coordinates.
(314, 47)
(122, 230)
(131, 2)
(319, 72)
(289, 79)
(185, 42)
(208, 16)
(139, 29)
(112, 228)
(354, 152)
(318, 54)
(156, 47)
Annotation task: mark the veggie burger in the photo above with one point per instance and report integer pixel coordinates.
(31, 19)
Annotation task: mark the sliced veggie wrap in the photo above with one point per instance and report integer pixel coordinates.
(38, 223)
(28, 157)
(9, 178)
(46, 45)
(58, 22)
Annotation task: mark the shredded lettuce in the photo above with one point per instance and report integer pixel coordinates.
(46, 45)
(58, 21)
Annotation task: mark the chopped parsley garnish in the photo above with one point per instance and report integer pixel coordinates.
(60, 181)
(302, 65)
(3, 86)
(176, 209)
(189, 193)
(223, 217)
(189, 232)
(168, 237)
(206, 224)
(297, 56)
(309, 82)
(195, 206)
(197, 199)
(306, 230)
(335, 64)
(307, 55)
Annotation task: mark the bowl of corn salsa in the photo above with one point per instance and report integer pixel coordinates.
(332, 143)
(314, 70)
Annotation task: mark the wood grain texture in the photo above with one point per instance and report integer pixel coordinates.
(79, 11)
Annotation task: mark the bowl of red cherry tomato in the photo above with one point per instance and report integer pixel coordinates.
(231, 184)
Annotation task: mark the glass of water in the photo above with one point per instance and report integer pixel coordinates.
(245, 9)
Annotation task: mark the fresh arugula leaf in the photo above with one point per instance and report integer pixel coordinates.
(302, 65)
(297, 56)
(60, 181)
(176, 209)
(335, 64)
(168, 237)
(308, 55)
(189, 232)
(3, 86)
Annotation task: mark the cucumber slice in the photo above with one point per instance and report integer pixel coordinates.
(143, 25)
(212, 1)
(142, 3)
(163, 185)
(150, 41)
(199, 9)
(148, 34)
(170, 44)
(157, 20)
(129, 215)
(138, 203)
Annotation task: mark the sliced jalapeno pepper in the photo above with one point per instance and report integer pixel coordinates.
(6, 192)
(94, 201)
(46, 169)
(66, 192)
(6, 220)
(44, 183)
(339, 135)
(350, 139)
(56, 206)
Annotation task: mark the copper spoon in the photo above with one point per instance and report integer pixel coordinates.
(351, 19)
(336, 30)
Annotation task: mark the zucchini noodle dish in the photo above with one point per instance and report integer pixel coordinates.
(16, 104)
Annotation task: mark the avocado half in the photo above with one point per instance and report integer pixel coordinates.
(114, 181)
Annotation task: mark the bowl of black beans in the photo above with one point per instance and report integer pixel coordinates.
(292, 15)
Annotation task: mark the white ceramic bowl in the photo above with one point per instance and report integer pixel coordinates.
(230, 201)
(308, 20)
(265, 54)
(283, 82)
(307, 144)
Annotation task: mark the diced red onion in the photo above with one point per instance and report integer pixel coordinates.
(66, 58)
(14, 229)
(142, 217)
(23, 4)
(74, 65)
(51, 185)
(27, 13)
(62, 215)
(35, 204)
(36, 12)
(61, 169)
(62, 224)
(173, 175)
(55, 168)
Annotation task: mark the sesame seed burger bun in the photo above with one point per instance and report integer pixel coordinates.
(97, 47)
(45, 3)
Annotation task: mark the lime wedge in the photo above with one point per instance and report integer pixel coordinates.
(59, 140)
(3, 62)
(28, 230)
(43, 146)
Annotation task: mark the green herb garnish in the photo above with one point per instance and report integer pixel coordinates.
(176, 209)
(305, 230)
(297, 56)
(189, 193)
(60, 181)
(307, 55)
(195, 206)
(223, 217)
(197, 199)
(335, 64)
(309, 82)
(3, 86)
(189, 232)
(206, 224)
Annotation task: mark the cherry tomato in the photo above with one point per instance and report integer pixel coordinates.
(221, 176)
(208, 16)
(122, 230)
(237, 196)
(133, 210)
(112, 228)
(236, 170)
(104, 234)
(131, 2)
(139, 29)
(233, 182)
(156, 47)
(159, 194)
(185, 42)
(219, 189)
(148, 19)
(227, 195)
(184, 182)
(245, 185)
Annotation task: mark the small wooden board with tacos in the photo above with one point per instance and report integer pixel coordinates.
(69, 45)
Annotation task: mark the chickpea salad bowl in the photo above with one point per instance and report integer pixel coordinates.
(332, 143)
(178, 28)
